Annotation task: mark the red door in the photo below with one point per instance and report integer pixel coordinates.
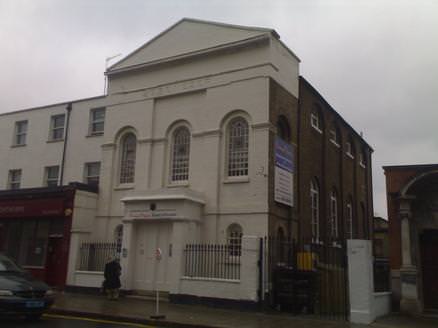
(55, 262)
(429, 261)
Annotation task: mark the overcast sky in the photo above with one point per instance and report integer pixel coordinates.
(375, 61)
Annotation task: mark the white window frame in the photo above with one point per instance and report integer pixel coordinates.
(334, 137)
(349, 149)
(180, 162)
(54, 129)
(20, 133)
(315, 121)
(127, 165)
(314, 208)
(237, 163)
(48, 180)
(362, 162)
(91, 177)
(349, 220)
(234, 239)
(92, 131)
(14, 179)
(334, 233)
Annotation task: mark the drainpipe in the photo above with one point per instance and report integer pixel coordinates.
(67, 124)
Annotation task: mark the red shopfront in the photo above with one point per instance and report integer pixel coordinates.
(35, 229)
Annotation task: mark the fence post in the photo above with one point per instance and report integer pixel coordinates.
(249, 280)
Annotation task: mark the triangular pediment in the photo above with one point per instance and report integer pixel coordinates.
(188, 36)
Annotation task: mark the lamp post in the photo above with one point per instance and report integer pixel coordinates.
(107, 60)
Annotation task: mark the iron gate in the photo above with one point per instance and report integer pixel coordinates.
(304, 278)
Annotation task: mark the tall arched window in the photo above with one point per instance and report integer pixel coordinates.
(349, 219)
(283, 128)
(234, 239)
(127, 160)
(237, 148)
(333, 224)
(314, 205)
(180, 154)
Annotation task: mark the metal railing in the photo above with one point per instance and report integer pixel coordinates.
(94, 256)
(214, 261)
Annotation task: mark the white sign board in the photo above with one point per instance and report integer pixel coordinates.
(284, 170)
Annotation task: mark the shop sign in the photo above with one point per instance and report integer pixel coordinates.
(284, 170)
(153, 214)
(31, 208)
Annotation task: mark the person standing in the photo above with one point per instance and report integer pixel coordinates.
(112, 283)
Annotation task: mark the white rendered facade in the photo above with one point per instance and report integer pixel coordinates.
(196, 75)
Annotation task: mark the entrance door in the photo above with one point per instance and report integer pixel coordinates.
(429, 259)
(54, 262)
(151, 273)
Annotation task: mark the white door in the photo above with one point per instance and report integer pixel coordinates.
(151, 273)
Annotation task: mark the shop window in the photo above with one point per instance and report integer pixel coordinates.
(234, 239)
(57, 127)
(51, 176)
(237, 148)
(92, 173)
(314, 204)
(180, 156)
(14, 179)
(33, 246)
(20, 133)
(97, 121)
(127, 162)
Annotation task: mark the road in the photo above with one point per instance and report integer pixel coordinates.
(57, 321)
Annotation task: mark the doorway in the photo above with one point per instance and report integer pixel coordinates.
(151, 273)
(429, 261)
(54, 262)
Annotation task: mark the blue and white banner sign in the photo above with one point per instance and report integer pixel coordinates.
(284, 169)
(284, 155)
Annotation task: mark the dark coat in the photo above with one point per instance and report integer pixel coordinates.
(112, 275)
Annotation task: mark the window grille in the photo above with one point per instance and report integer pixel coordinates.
(180, 155)
(52, 173)
(118, 234)
(127, 163)
(14, 179)
(334, 215)
(57, 127)
(92, 173)
(20, 133)
(97, 121)
(234, 239)
(314, 200)
(238, 148)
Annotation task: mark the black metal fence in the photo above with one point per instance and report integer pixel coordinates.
(215, 261)
(94, 256)
(382, 275)
(305, 278)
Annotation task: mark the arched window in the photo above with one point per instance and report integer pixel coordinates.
(335, 136)
(283, 128)
(118, 238)
(237, 148)
(333, 224)
(316, 119)
(127, 161)
(314, 205)
(349, 219)
(234, 239)
(180, 154)
(349, 147)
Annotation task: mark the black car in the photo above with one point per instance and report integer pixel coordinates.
(20, 293)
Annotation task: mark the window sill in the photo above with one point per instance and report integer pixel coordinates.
(335, 143)
(55, 140)
(178, 184)
(18, 146)
(350, 155)
(362, 165)
(242, 179)
(317, 129)
(92, 135)
(125, 186)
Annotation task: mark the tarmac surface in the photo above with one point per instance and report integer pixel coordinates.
(198, 316)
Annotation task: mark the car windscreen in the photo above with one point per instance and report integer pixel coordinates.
(6, 265)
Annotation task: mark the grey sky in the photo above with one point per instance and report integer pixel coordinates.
(375, 61)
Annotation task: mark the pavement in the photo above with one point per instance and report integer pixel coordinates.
(137, 310)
